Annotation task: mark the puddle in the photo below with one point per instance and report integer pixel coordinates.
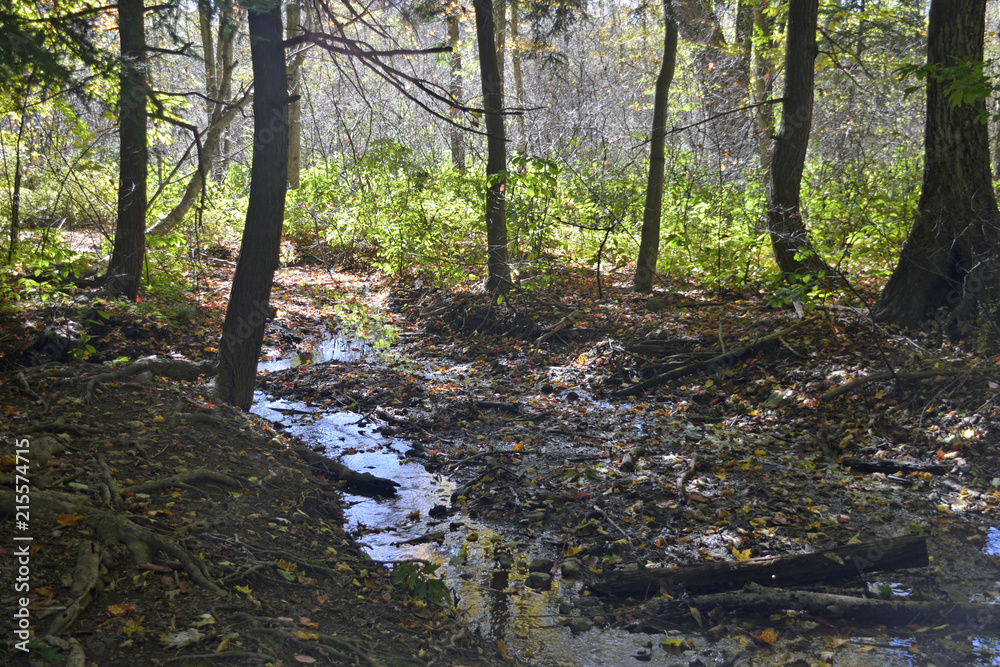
(336, 348)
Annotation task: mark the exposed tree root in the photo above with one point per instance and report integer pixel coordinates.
(142, 542)
(175, 369)
(185, 479)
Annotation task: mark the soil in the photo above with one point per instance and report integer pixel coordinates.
(151, 497)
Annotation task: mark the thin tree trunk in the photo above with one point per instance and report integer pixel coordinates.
(500, 20)
(950, 259)
(219, 66)
(496, 151)
(649, 243)
(125, 268)
(15, 196)
(243, 330)
(456, 135)
(793, 252)
(293, 28)
(515, 60)
(762, 79)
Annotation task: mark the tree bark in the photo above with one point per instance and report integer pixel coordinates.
(793, 252)
(762, 80)
(457, 136)
(243, 330)
(649, 243)
(125, 268)
(515, 61)
(500, 23)
(949, 261)
(293, 28)
(496, 150)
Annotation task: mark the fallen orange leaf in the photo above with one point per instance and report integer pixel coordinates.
(65, 519)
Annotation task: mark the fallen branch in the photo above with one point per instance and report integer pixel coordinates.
(718, 362)
(856, 383)
(839, 563)
(762, 599)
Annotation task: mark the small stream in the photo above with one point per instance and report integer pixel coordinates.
(482, 563)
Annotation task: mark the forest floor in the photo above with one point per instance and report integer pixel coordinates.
(612, 431)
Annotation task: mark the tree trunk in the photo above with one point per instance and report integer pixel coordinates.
(15, 195)
(649, 244)
(219, 66)
(125, 268)
(762, 80)
(723, 83)
(457, 135)
(293, 28)
(515, 61)
(792, 250)
(500, 22)
(496, 151)
(243, 331)
(949, 260)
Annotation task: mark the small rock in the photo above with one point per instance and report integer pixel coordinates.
(572, 568)
(580, 624)
(540, 580)
(546, 388)
(540, 565)
(572, 396)
(565, 607)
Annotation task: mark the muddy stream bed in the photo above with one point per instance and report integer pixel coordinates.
(486, 559)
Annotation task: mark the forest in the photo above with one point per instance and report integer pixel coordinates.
(422, 332)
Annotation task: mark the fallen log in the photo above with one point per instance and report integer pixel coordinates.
(719, 362)
(761, 599)
(890, 466)
(364, 482)
(837, 564)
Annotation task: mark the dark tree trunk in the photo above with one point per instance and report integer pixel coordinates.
(792, 250)
(949, 260)
(649, 244)
(496, 150)
(455, 88)
(243, 331)
(125, 268)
